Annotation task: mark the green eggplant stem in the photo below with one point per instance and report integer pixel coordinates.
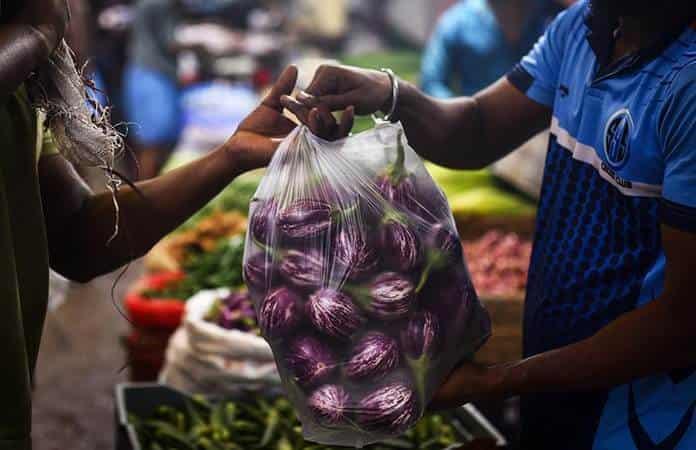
(419, 367)
(397, 170)
(425, 274)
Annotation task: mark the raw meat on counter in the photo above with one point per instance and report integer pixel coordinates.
(498, 263)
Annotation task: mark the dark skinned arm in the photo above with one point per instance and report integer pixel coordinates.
(463, 133)
(28, 39)
(652, 339)
(80, 223)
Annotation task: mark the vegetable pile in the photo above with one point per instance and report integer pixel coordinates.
(499, 263)
(234, 312)
(220, 267)
(359, 282)
(265, 424)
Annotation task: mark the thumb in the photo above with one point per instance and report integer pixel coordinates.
(333, 102)
(283, 86)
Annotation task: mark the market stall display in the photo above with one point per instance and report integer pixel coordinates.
(156, 303)
(356, 270)
(195, 238)
(155, 417)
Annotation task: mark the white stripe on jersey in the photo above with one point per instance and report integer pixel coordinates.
(588, 155)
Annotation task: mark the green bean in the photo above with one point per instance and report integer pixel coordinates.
(271, 426)
(217, 416)
(245, 425)
(230, 413)
(165, 429)
(284, 444)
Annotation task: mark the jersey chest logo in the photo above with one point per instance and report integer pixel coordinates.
(617, 138)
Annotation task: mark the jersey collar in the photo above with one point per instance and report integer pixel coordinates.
(601, 24)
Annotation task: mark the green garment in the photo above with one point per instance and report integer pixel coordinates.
(23, 265)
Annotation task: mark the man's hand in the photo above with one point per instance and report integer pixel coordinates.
(338, 87)
(468, 382)
(258, 136)
(260, 133)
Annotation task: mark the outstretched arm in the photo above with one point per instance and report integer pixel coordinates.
(464, 133)
(80, 223)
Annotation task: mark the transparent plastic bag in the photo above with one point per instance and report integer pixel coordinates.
(356, 271)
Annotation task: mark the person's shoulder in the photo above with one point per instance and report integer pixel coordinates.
(683, 63)
(572, 19)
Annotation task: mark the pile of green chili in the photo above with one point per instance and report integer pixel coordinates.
(263, 424)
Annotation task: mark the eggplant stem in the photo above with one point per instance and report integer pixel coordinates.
(419, 367)
(397, 170)
(425, 275)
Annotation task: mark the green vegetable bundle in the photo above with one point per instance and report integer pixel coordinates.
(262, 424)
(219, 268)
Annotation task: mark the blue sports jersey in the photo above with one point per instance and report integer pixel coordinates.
(621, 162)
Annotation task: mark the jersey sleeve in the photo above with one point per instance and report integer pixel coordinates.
(537, 73)
(677, 133)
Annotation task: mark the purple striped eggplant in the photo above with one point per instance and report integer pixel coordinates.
(310, 361)
(262, 221)
(374, 356)
(333, 313)
(443, 245)
(400, 246)
(305, 219)
(303, 270)
(400, 192)
(280, 313)
(390, 409)
(421, 337)
(258, 273)
(391, 296)
(354, 255)
(329, 404)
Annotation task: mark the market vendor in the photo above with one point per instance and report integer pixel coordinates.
(609, 335)
(48, 215)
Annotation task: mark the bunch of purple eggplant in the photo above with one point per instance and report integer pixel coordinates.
(362, 291)
(235, 312)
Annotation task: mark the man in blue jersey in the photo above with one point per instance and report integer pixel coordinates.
(609, 335)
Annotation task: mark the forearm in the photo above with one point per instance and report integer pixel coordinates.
(158, 207)
(653, 339)
(447, 132)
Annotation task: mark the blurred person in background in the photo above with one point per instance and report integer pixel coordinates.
(109, 27)
(50, 217)
(476, 41)
(151, 87)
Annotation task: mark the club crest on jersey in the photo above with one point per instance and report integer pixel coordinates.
(617, 137)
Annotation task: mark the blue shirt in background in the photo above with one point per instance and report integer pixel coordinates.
(469, 44)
